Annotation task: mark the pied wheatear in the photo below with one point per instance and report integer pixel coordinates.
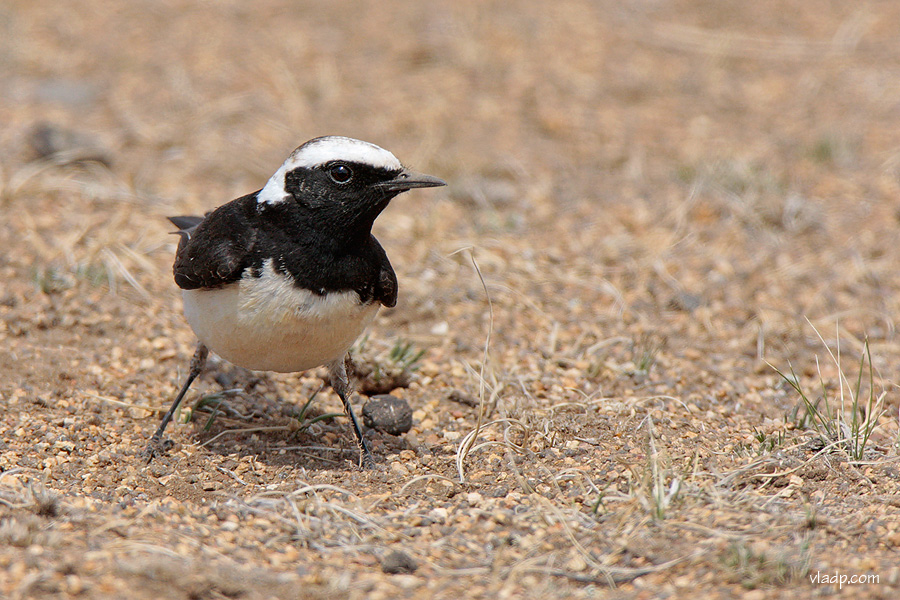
(286, 278)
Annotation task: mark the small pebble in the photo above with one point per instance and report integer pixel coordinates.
(397, 561)
(398, 468)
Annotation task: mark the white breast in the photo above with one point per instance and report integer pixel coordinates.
(266, 323)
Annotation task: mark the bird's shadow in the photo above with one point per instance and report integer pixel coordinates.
(254, 415)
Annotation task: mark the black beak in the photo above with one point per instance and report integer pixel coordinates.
(407, 180)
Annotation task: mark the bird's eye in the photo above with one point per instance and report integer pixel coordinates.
(340, 173)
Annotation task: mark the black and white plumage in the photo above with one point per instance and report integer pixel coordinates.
(286, 278)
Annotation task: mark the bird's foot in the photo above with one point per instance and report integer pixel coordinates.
(366, 458)
(157, 446)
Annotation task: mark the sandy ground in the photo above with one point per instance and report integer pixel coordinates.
(667, 201)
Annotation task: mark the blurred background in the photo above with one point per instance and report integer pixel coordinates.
(615, 160)
(660, 194)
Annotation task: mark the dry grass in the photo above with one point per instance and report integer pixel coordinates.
(654, 203)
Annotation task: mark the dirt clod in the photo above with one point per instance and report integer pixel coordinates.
(388, 414)
(651, 206)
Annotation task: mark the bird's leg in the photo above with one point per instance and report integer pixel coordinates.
(157, 445)
(340, 383)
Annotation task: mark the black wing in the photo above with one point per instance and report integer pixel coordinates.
(386, 287)
(214, 250)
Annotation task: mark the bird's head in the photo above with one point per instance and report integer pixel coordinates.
(344, 181)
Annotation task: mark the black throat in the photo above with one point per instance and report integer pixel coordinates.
(321, 250)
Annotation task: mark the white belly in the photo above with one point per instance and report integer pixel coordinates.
(267, 324)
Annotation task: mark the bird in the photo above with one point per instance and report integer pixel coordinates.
(286, 278)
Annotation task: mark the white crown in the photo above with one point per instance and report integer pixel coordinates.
(320, 151)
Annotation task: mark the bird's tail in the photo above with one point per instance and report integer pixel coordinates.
(186, 225)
